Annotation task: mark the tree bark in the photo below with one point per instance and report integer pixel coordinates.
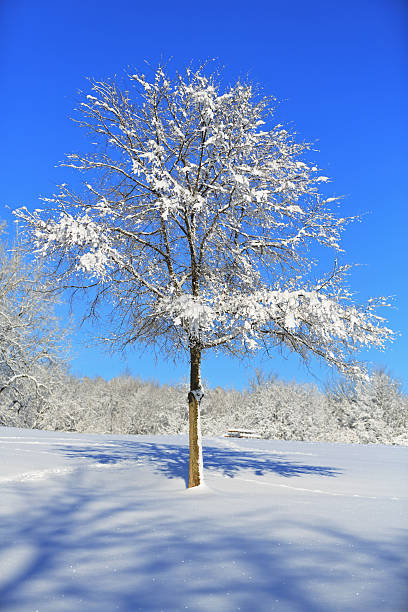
(195, 472)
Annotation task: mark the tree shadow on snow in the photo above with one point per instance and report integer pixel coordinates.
(172, 459)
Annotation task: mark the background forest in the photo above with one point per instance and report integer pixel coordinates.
(38, 391)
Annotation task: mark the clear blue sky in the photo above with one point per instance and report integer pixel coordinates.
(340, 68)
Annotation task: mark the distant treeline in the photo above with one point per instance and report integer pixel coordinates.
(376, 412)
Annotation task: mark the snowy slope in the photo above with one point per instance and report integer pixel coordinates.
(103, 523)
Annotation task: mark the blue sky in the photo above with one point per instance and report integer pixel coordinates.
(339, 68)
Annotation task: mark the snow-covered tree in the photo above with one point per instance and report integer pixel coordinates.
(196, 223)
(372, 411)
(31, 341)
(289, 411)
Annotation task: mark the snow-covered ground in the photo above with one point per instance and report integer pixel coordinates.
(104, 523)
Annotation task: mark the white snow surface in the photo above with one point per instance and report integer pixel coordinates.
(105, 522)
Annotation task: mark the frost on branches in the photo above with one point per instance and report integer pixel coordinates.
(195, 219)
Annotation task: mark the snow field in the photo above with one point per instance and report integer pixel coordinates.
(102, 523)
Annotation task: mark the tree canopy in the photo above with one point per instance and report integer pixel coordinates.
(196, 221)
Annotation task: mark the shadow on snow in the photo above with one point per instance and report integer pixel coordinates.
(90, 541)
(172, 459)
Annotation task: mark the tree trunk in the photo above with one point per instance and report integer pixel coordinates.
(195, 472)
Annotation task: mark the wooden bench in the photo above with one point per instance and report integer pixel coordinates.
(241, 433)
